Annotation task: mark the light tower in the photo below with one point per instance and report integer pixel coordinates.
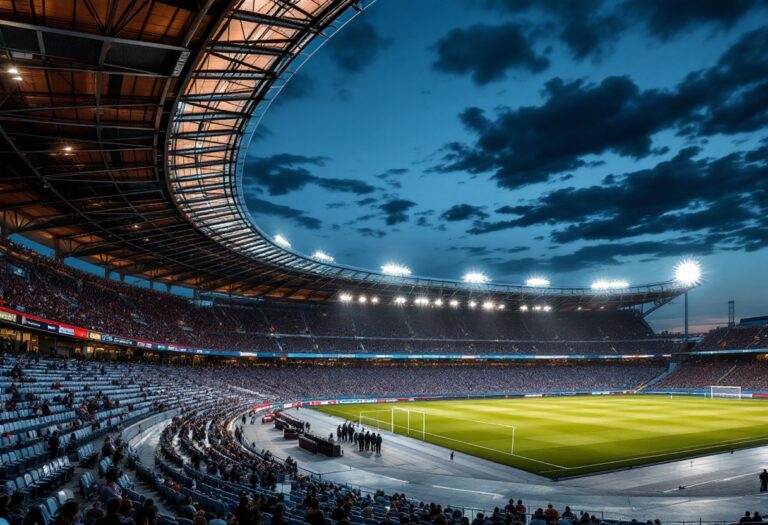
(688, 274)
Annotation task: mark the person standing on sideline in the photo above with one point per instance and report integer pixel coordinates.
(451, 455)
(764, 481)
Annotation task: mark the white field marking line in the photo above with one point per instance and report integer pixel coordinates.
(665, 453)
(393, 479)
(467, 490)
(487, 448)
(731, 478)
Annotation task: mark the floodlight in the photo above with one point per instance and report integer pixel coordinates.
(345, 297)
(362, 299)
(537, 308)
(395, 269)
(488, 305)
(523, 308)
(472, 304)
(475, 278)
(547, 308)
(500, 307)
(688, 272)
(13, 71)
(68, 148)
(282, 241)
(400, 300)
(454, 303)
(17, 78)
(537, 282)
(421, 301)
(438, 302)
(375, 300)
(616, 284)
(322, 256)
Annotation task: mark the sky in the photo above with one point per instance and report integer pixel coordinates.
(571, 139)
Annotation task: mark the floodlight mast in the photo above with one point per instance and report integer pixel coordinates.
(688, 274)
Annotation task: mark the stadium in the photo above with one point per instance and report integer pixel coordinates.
(165, 360)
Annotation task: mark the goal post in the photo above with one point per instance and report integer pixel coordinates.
(726, 392)
(413, 422)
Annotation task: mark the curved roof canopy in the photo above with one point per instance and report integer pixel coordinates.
(124, 126)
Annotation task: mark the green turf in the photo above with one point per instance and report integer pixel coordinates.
(569, 436)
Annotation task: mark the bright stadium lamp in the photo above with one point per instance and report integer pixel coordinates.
(500, 307)
(688, 274)
(472, 304)
(421, 301)
(523, 307)
(537, 282)
(475, 278)
(282, 241)
(488, 305)
(400, 300)
(322, 256)
(375, 300)
(397, 270)
(547, 308)
(438, 302)
(454, 303)
(537, 308)
(345, 298)
(362, 299)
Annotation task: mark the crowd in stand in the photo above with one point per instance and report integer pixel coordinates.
(41, 286)
(735, 337)
(750, 375)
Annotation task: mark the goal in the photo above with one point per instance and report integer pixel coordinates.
(413, 422)
(731, 392)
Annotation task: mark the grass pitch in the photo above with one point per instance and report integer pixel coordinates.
(570, 436)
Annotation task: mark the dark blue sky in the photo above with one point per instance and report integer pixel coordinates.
(572, 139)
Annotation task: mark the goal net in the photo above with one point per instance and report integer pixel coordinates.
(731, 392)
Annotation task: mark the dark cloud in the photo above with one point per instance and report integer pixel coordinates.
(261, 207)
(392, 172)
(366, 201)
(283, 173)
(487, 53)
(356, 46)
(371, 232)
(298, 87)
(462, 212)
(530, 144)
(684, 195)
(590, 28)
(396, 210)
(600, 256)
(665, 19)
(335, 205)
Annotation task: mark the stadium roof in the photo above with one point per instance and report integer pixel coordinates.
(124, 128)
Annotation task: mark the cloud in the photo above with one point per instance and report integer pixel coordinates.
(462, 212)
(258, 206)
(577, 119)
(284, 173)
(665, 19)
(366, 201)
(600, 256)
(298, 87)
(725, 199)
(357, 46)
(371, 232)
(395, 210)
(487, 52)
(590, 28)
(336, 205)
